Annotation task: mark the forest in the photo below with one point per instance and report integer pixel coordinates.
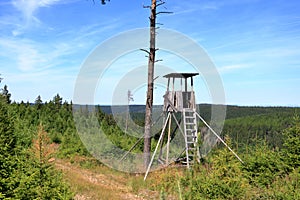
(34, 135)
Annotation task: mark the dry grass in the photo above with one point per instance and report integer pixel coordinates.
(101, 182)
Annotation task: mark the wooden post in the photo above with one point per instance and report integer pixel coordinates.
(168, 141)
(181, 84)
(129, 98)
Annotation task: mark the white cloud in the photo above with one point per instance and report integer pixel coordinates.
(24, 52)
(28, 8)
(230, 68)
(190, 7)
(29, 55)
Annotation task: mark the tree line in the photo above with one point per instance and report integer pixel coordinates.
(32, 134)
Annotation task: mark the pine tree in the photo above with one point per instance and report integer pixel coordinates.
(57, 100)
(38, 102)
(7, 150)
(6, 95)
(38, 178)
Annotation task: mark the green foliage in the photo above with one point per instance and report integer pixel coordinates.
(222, 178)
(271, 169)
(287, 187)
(263, 166)
(248, 131)
(291, 149)
(264, 175)
(7, 138)
(6, 95)
(38, 102)
(35, 175)
(71, 145)
(7, 151)
(23, 174)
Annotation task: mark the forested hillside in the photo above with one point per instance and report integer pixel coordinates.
(266, 138)
(244, 124)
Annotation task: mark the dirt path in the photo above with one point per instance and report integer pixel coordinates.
(90, 184)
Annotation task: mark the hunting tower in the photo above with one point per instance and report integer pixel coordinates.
(179, 100)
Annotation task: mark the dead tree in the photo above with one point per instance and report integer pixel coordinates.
(149, 99)
(150, 85)
(129, 98)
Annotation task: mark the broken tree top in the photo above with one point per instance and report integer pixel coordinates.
(180, 75)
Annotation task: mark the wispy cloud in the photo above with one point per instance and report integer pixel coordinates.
(29, 7)
(230, 68)
(27, 13)
(32, 55)
(28, 55)
(185, 8)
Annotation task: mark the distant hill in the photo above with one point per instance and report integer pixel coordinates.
(246, 125)
(205, 110)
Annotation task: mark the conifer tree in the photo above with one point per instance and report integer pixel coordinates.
(7, 150)
(38, 178)
(6, 95)
(38, 102)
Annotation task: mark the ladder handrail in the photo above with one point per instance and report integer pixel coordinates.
(185, 139)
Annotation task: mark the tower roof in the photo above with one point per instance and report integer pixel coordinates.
(180, 75)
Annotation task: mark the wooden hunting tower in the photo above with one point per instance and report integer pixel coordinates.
(179, 100)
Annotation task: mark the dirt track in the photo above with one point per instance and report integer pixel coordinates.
(91, 185)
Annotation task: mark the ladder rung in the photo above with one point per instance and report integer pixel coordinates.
(191, 130)
(190, 123)
(190, 142)
(190, 162)
(189, 112)
(191, 136)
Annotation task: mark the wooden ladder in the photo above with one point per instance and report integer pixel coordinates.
(191, 136)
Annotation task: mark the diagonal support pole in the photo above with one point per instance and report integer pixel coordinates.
(219, 138)
(158, 143)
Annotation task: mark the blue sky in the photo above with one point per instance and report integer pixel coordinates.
(254, 44)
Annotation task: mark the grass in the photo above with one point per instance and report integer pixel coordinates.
(91, 180)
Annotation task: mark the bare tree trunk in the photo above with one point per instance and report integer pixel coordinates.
(149, 100)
